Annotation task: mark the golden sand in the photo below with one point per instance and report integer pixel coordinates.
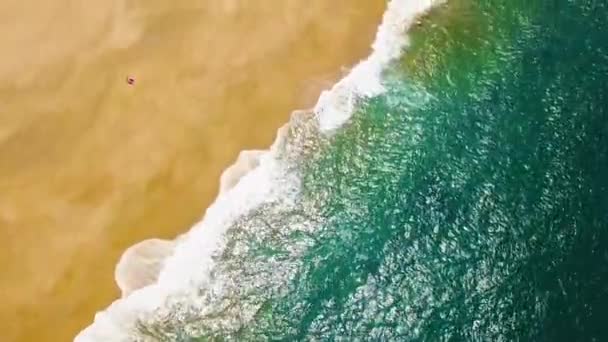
(90, 165)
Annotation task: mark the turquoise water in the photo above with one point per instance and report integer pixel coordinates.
(467, 203)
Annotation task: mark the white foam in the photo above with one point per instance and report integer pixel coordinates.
(245, 162)
(140, 265)
(192, 260)
(336, 105)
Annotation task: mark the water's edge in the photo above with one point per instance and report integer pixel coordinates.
(151, 270)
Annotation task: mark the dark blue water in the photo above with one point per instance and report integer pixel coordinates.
(467, 203)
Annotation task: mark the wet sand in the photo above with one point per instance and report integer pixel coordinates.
(90, 165)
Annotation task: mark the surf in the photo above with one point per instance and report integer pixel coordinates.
(153, 273)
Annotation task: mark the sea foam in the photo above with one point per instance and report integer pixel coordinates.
(256, 177)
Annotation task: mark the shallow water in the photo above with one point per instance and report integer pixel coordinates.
(90, 165)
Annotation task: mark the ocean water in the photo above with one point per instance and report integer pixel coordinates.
(453, 187)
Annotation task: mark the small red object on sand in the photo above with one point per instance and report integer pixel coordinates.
(130, 80)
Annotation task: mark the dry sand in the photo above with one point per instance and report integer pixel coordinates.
(90, 165)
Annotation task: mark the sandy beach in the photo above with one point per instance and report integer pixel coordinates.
(90, 165)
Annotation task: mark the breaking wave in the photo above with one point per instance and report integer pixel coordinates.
(168, 285)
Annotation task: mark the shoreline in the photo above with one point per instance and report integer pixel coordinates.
(104, 183)
(333, 108)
